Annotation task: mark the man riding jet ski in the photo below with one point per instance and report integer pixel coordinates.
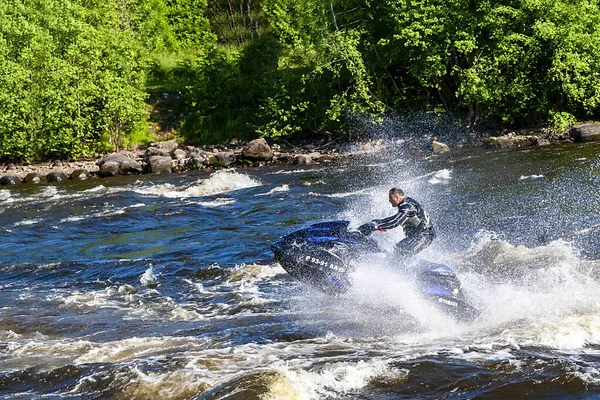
(322, 255)
(418, 230)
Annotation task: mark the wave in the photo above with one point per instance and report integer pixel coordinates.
(278, 189)
(342, 194)
(524, 177)
(219, 182)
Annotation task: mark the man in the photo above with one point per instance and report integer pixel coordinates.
(413, 219)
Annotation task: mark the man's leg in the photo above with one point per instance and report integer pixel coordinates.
(410, 246)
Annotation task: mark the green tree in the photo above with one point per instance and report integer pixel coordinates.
(69, 72)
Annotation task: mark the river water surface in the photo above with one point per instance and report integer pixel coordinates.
(164, 286)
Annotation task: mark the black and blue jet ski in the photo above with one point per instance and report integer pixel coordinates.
(322, 255)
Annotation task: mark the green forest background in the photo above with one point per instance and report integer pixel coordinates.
(82, 77)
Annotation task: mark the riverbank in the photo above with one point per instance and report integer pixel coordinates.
(171, 156)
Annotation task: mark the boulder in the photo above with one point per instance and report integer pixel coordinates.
(155, 151)
(225, 158)
(160, 165)
(167, 146)
(211, 160)
(80, 175)
(509, 141)
(288, 157)
(56, 177)
(258, 150)
(118, 164)
(303, 159)
(439, 147)
(9, 180)
(541, 142)
(32, 177)
(10, 167)
(196, 161)
(179, 158)
(179, 154)
(585, 132)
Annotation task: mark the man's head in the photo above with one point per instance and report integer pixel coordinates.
(396, 196)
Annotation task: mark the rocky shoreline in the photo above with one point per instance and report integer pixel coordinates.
(171, 156)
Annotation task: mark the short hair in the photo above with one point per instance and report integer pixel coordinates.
(397, 191)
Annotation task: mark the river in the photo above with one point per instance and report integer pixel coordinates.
(164, 286)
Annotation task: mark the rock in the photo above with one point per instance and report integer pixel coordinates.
(80, 175)
(286, 157)
(196, 161)
(439, 147)
(118, 164)
(225, 158)
(309, 146)
(258, 150)
(191, 150)
(541, 142)
(325, 158)
(211, 160)
(501, 142)
(9, 180)
(32, 177)
(585, 132)
(508, 141)
(155, 151)
(167, 146)
(416, 152)
(179, 154)
(180, 158)
(160, 165)
(234, 142)
(303, 159)
(56, 177)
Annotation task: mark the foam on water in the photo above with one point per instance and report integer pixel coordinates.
(294, 171)
(277, 370)
(27, 222)
(256, 272)
(442, 176)
(148, 278)
(543, 296)
(51, 194)
(218, 202)
(219, 182)
(278, 189)
(335, 379)
(6, 195)
(524, 177)
(134, 348)
(341, 195)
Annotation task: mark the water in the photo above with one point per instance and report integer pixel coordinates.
(164, 286)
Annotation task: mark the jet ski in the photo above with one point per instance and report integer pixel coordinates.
(322, 255)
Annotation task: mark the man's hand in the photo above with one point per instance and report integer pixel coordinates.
(367, 228)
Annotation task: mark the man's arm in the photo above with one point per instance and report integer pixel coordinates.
(394, 220)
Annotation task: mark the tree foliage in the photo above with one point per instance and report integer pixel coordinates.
(75, 74)
(71, 81)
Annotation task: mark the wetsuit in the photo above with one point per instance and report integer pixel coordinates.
(416, 224)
